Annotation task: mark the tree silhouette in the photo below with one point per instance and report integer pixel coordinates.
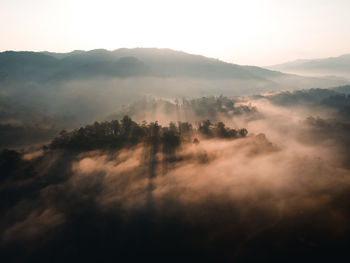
(115, 135)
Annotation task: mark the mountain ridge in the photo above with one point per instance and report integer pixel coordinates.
(161, 62)
(123, 74)
(338, 66)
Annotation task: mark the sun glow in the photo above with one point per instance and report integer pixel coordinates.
(246, 32)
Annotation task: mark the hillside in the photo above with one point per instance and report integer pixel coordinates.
(123, 62)
(48, 67)
(337, 66)
(75, 88)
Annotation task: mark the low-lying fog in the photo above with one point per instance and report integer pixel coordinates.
(279, 193)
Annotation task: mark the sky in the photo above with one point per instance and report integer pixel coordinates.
(254, 32)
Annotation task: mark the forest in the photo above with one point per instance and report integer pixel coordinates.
(171, 178)
(116, 135)
(174, 131)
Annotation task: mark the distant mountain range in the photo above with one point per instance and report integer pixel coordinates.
(123, 63)
(49, 67)
(337, 66)
(88, 85)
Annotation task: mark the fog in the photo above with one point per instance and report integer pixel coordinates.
(45, 92)
(279, 193)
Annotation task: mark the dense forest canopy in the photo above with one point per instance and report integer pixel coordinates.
(117, 134)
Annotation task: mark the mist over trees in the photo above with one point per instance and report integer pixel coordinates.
(45, 92)
(134, 155)
(65, 85)
(336, 99)
(307, 96)
(126, 133)
(214, 108)
(26, 126)
(191, 190)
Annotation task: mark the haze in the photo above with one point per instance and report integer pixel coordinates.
(242, 32)
(183, 131)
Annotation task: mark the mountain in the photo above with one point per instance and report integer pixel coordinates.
(26, 65)
(122, 63)
(140, 62)
(62, 55)
(337, 66)
(89, 85)
(149, 62)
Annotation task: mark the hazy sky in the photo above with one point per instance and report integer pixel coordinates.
(259, 32)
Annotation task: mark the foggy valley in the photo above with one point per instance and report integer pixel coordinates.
(158, 155)
(174, 131)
